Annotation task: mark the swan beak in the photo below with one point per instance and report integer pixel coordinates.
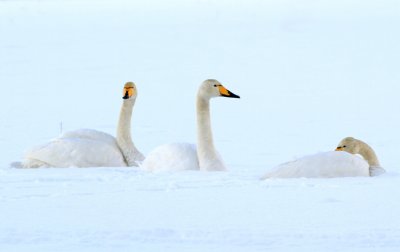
(128, 92)
(339, 149)
(226, 93)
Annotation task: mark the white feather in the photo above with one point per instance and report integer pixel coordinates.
(322, 165)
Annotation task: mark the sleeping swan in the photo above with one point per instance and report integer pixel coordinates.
(340, 163)
(91, 148)
(182, 156)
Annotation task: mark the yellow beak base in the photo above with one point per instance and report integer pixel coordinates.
(129, 91)
(226, 93)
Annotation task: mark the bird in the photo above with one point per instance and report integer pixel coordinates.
(91, 148)
(351, 158)
(186, 156)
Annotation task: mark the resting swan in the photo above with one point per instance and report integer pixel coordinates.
(340, 163)
(183, 156)
(91, 148)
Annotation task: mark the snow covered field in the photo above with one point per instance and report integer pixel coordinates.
(309, 73)
(126, 210)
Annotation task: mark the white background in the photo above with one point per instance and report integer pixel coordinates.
(309, 73)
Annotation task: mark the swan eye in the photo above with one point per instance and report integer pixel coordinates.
(344, 146)
(215, 85)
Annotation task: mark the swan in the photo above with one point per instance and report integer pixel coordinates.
(343, 162)
(91, 148)
(184, 156)
(358, 147)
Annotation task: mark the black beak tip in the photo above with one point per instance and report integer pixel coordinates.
(232, 95)
(126, 96)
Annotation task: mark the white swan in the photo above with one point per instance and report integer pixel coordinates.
(91, 148)
(340, 163)
(182, 156)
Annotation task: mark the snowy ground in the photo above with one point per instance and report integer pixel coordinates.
(126, 210)
(309, 73)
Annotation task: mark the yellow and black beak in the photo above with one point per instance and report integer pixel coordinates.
(226, 93)
(129, 91)
(339, 148)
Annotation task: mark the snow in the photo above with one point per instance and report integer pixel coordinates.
(309, 73)
(120, 209)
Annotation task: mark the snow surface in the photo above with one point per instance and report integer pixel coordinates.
(309, 73)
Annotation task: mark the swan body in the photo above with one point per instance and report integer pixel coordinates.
(203, 156)
(79, 148)
(322, 165)
(172, 157)
(352, 158)
(91, 148)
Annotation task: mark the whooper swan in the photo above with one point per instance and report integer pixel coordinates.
(91, 148)
(344, 162)
(183, 156)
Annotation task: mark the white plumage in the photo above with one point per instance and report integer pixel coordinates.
(352, 158)
(203, 156)
(322, 165)
(172, 157)
(91, 148)
(79, 148)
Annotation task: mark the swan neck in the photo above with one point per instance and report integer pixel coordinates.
(369, 154)
(204, 133)
(124, 122)
(124, 138)
(207, 155)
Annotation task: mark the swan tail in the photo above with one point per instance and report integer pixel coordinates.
(34, 163)
(266, 176)
(376, 171)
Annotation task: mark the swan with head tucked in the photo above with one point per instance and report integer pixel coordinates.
(343, 162)
(183, 156)
(91, 148)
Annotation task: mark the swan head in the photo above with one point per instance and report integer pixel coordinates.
(130, 91)
(212, 88)
(355, 146)
(350, 145)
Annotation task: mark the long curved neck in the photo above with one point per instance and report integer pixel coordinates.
(369, 154)
(124, 138)
(207, 155)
